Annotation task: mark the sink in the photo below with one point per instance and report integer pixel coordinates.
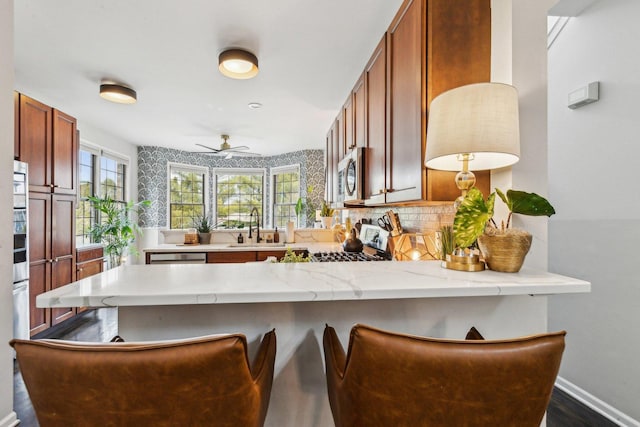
(256, 245)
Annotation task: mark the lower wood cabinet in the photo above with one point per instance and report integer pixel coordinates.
(247, 256)
(89, 261)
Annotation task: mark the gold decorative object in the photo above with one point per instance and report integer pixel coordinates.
(412, 247)
(464, 262)
(505, 252)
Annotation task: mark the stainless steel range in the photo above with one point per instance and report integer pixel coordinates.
(374, 240)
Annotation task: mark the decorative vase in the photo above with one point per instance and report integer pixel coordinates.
(290, 232)
(505, 252)
(204, 238)
(327, 221)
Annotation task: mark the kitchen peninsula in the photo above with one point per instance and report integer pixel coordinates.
(174, 301)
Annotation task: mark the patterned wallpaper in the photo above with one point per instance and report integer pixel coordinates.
(153, 169)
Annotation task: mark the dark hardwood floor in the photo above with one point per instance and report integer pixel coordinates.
(102, 324)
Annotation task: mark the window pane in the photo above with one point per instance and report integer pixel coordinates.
(287, 192)
(85, 215)
(236, 196)
(186, 197)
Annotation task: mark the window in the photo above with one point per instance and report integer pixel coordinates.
(100, 174)
(286, 191)
(237, 193)
(85, 215)
(186, 195)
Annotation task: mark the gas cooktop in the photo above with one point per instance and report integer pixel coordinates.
(345, 257)
(374, 240)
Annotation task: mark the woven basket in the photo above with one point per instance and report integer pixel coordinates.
(505, 252)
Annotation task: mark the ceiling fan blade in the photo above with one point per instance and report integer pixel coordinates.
(214, 150)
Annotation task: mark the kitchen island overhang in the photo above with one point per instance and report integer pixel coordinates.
(177, 301)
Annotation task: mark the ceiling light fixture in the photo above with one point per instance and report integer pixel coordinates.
(118, 93)
(238, 64)
(254, 105)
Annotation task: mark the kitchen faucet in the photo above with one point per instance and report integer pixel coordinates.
(258, 238)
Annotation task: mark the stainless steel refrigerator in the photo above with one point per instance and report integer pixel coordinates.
(20, 251)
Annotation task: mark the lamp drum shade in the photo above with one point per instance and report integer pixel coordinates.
(118, 93)
(238, 64)
(480, 120)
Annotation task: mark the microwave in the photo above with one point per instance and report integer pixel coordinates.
(351, 177)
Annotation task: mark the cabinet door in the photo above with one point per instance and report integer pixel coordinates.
(39, 258)
(35, 142)
(347, 118)
(63, 267)
(407, 104)
(231, 257)
(375, 79)
(16, 125)
(359, 114)
(65, 152)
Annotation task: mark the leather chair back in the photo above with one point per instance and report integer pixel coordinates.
(199, 381)
(389, 379)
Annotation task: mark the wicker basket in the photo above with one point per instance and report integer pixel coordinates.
(505, 252)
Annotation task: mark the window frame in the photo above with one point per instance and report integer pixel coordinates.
(277, 171)
(237, 171)
(98, 152)
(190, 169)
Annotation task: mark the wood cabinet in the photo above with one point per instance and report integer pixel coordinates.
(47, 140)
(375, 79)
(348, 120)
(430, 46)
(247, 256)
(331, 162)
(89, 261)
(51, 254)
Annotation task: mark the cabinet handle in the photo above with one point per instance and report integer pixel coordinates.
(383, 191)
(50, 261)
(80, 270)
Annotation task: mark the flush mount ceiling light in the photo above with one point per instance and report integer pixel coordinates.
(118, 93)
(238, 64)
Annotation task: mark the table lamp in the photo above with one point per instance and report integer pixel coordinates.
(473, 127)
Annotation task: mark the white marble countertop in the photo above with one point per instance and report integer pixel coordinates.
(259, 282)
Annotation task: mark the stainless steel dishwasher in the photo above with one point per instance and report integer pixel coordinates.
(177, 258)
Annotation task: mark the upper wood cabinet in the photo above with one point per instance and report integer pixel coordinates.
(431, 46)
(375, 81)
(47, 141)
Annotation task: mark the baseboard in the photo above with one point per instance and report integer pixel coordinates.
(10, 420)
(596, 404)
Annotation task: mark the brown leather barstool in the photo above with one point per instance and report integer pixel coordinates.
(196, 381)
(390, 379)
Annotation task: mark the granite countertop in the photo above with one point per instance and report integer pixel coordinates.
(259, 282)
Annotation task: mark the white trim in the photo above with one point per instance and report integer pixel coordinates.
(11, 420)
(285, 169)
(596, 404)
(554, 30)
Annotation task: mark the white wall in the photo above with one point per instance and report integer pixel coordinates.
(7, 416)
(593, 161)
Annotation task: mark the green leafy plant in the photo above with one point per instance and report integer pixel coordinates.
(115, 228)
(304, 204)
(447, 241)
(291, 256)
(474, 213)
(203, 224)
(326, 210)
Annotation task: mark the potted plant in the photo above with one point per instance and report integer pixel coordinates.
(203, 226)
(326, 214)
(115, 229)
(504, 247)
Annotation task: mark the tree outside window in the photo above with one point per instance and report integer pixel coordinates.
(237, 193)
(186, 196)
(286, 192)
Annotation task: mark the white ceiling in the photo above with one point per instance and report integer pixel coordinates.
(310, 54)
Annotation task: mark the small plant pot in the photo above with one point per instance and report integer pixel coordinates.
(327, 221)
(204, 238)
(505, 252)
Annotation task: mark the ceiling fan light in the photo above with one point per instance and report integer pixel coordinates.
(238, 64)
(118, 93)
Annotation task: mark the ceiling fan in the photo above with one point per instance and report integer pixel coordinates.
(227, 150)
